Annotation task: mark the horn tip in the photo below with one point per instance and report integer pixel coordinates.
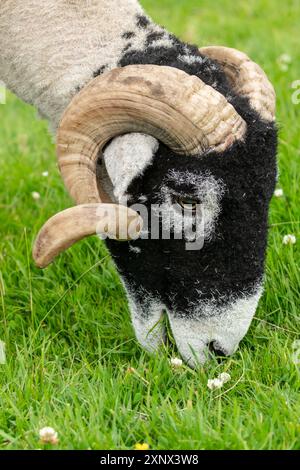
(41, 261)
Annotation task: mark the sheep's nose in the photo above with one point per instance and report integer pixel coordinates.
(215, 349)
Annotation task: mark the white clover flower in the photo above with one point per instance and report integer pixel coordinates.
(48, 436)
(214, 383)
(35, 195)
(175, 362)
(222, 379)
(284, 60)
(45, 174)
(2, 353)
(289, 240)
(278, 192)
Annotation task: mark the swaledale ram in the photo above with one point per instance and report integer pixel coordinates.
(145, 120)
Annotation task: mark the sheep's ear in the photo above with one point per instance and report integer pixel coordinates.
(127, 157)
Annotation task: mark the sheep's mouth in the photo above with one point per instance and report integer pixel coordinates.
(215, 349)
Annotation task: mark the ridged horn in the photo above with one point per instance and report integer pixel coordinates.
(74, 224)
(180, 110)
(246, 77)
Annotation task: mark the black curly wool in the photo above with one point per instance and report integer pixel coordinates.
(208, 70)
(232, 262)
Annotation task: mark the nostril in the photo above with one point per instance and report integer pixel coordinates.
(215, 348)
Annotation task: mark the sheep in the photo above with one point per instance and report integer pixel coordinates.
(143, 120)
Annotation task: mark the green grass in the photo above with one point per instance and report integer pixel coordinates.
(67, 331)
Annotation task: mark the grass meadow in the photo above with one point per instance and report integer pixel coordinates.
(69, 341)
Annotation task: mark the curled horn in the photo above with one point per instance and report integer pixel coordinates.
(247, 78)
(180, 110)
(74, 224)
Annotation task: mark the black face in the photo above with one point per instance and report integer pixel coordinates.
(231, 261)
(239, 183)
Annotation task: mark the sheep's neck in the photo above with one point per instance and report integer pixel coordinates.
(49, 50)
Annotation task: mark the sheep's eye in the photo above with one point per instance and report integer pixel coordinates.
(188, 204)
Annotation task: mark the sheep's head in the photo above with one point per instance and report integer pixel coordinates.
(202, 153)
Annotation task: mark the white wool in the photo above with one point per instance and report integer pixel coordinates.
(223, 326)
(127, 157)
(145, 317)
(163, 42)
(188, 59)
(50, 49)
